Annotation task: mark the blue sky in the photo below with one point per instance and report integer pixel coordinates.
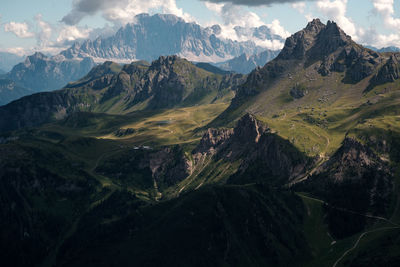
(51, 25)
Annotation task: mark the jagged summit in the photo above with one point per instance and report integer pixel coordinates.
(315, 39)
(315, 65)
(164, 34)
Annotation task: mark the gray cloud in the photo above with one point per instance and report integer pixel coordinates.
(253, 2)
(82, 8)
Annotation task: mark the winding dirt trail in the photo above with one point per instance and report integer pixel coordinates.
(395, 226)
(358, 242)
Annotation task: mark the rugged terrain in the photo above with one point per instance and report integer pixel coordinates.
(160, 34)
(246, 63)
(295, 164)
(39, 73)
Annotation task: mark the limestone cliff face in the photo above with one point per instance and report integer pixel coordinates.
(165, 34)
(354, 172)
(263, 156)
(389, 72)
(354, 179)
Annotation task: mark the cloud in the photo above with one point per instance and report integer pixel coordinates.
(19, 29)
(120, 11)
(386, 9)
(277, 28)
(45, 33)
(253, 2)
(20, 51)
(336, 10)
(299, 6)
(70, 34)
(234, 16)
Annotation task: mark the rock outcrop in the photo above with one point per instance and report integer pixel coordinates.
(264, 156)
(355, 178)
(389, 72)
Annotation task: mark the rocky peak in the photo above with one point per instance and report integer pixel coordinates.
(330, 38)
(314, 26)
(299, 43)
(36, 57)
(252, 143)
(316, 39)
(389, 72)
(165, 61)
(249, 129)
(212, 139)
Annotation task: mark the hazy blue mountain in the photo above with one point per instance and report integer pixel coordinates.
(8, 60)
(2, 71)
(261, 33)
(153, 36)
(246, 63)
(384, 49)
(389, 49)
(41, 73)
(9, 91)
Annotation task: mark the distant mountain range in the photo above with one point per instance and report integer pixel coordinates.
(9, 91)
(384, 49)
(9, 60)
(147, 39)
(39, 73)
(152, 36)
(246, 63)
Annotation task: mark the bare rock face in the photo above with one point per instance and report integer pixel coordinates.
(352, 161)
(389, 72)
(164, 34)
(169, 166)
(355, 179)
(212, 139)
(264, 156)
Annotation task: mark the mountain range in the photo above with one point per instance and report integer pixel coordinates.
(39, 73)
(246, 63)
(147, 39)
(179, 164)
(153, 36)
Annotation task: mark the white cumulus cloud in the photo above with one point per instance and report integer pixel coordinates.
(120, 11)
(72, 33)
(19, 29)
(386, 9)
(336, 10)
(299, 6)
(234, 15)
